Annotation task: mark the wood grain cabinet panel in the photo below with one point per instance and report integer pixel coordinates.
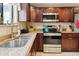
(69, 35)
(26, 7)
(39, 42)
(66, 14)
(39, 15)
(32, 13)
(70, 41)
(69, 44)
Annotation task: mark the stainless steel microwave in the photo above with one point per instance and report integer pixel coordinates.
(50, 17)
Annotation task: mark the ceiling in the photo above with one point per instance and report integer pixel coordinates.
(55, 4)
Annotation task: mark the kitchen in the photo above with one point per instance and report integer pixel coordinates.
(39, 29)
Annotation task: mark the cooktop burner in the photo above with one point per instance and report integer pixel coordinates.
(51, 31)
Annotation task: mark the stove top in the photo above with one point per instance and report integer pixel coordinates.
(51, 31)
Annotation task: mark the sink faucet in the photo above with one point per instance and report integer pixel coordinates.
(15, 34)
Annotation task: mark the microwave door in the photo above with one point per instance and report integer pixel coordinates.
(49, 17)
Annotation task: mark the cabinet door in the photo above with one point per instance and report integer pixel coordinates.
(39, 42)
(66, 14)
(32, 13)
(70, 42)
(25, 11)
(39, 14)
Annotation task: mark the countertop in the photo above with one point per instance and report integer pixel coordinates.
(30, 43)
(21, 51)
(70, 32)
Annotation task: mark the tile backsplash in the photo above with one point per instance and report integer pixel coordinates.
(35, 25)
(4, 30)
(76, 17)
(7, 29)
(65, 25)
(62, 25)
(39, 25)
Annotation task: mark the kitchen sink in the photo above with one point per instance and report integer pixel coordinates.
(17, 42)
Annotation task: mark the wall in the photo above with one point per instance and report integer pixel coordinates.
(39, 25)
(5, 30)
(65, 25)
(22, 25)
(76, 17)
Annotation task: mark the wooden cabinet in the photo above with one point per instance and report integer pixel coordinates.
(26, 8)
(39, 42)
(51, 10)
(76, 9)
(66, 14)
(39, 14)
(32, 13)
(35, 14)
(70, 41)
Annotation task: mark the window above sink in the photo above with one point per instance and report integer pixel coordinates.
(9, 13)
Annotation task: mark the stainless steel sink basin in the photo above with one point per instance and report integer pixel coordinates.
(18, 42)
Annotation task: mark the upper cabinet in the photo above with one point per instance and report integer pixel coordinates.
(66, 14)
(24, 14)
(76, 9)
(32, 13)
(39, 14)
(35, 14)
(50, 10)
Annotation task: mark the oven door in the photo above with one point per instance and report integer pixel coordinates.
(52, 44)
(52, 40)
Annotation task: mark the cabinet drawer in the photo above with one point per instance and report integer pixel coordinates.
(54, 50)
(69, 35)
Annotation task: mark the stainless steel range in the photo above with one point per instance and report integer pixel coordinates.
(52, 38)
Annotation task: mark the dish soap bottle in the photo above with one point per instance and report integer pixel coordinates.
(69, 29)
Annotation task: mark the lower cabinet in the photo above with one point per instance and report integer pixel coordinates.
(37, 44)
(70, 42)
